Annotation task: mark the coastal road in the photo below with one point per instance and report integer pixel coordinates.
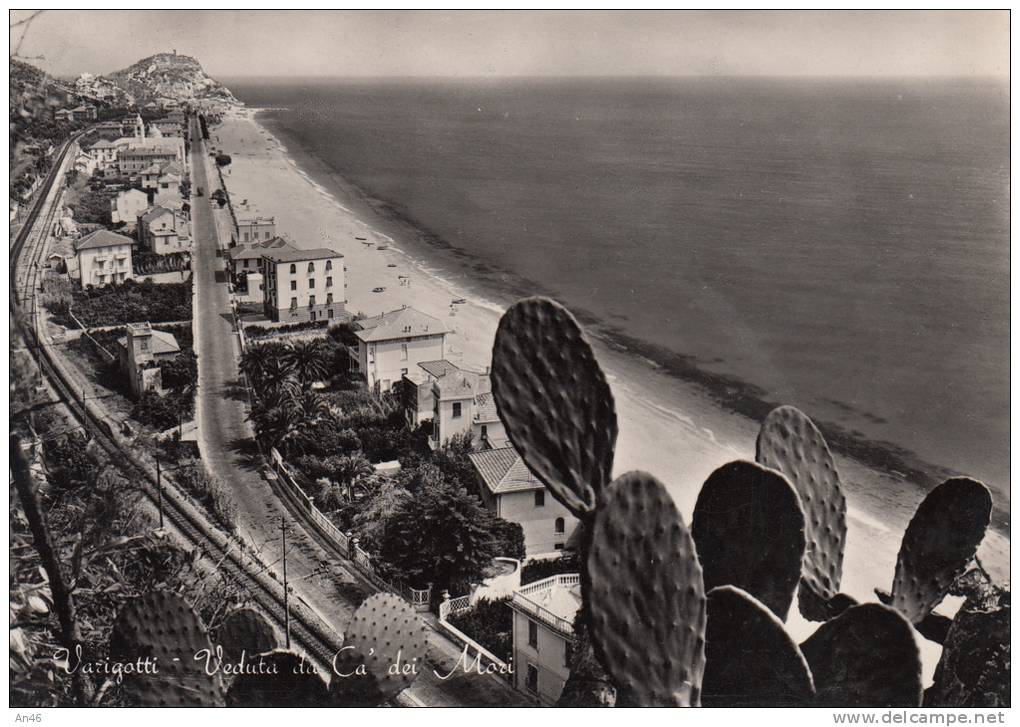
(323, 581)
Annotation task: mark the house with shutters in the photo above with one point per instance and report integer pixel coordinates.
(163, 231)
(543, 635)
(511, 491)
(303, 285)
(393, 343)
(104, 258)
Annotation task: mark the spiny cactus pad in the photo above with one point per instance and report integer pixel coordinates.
(940, 541)
(554, 401)
(791, 443)
(866, 657)
(278, 679)
(749, 531)
(162, 626)
(750, 659)
(245, 630)
(644, 595)
(387, 637)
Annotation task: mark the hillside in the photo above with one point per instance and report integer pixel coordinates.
(167, 76)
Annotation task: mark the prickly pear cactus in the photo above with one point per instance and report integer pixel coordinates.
(866, 657)
(750, 659)
(554, 401)
(644, 596)
(940, 541)
(749, 531)
(385, 639)
(278, 679)
(245, 630)
(790, 442)
(162, 627)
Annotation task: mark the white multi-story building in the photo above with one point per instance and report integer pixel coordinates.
(303, 285)
(511, 491)
(127, 205)
(163, 231)
(456, 400)
(104, 258)
(391, 344)
(543, 633)
(255, 229)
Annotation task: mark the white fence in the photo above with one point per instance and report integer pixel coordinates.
(451, 606)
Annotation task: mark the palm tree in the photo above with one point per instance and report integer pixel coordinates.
(310, 360)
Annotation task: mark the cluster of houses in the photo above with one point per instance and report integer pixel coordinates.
(155, 210)
(290, 283)
(86, 112)
(406, 349)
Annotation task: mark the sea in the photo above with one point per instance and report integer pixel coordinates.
(837, 244)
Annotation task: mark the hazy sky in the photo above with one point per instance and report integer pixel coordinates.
(505, 43)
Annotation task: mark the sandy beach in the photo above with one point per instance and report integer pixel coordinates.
(666, 427)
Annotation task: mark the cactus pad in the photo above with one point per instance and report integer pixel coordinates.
(791, 443)
(940, 541)
(387, 637)
(161, 626)
(245, 630)
(554, 401)
(750, 659)
(278, 679)
(865, 657)
(644, 595)
(749, 531)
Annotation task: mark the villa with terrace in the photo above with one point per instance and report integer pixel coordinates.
(543, 633)
(392, 344)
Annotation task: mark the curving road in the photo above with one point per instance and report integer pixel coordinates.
(322, 580)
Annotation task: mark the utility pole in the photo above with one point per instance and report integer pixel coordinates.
(159, 491)
(286, 604)
(84, 413)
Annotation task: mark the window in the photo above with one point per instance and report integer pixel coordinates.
(293, 269)
(144, 343)
(559, 526)
(329, 265)
(311, 301)
(531, 680)
(311, 282)
(558, 546)
(485, 431)
(330, 313)
(311, 267)
(266, 236)
(329, 298)
(293, 285)
(403, 352)
(539, 498)
(329, 282)
(532, 634)
(293, 303)
(456, 410)
(246, 263)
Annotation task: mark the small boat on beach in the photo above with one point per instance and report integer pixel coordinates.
(378, 290)
(458, 301)
(392, 265)
(360, 238)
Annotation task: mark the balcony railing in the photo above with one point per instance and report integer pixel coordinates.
(520, 600)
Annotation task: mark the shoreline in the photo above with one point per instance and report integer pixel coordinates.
(706, 418)
(497, 288)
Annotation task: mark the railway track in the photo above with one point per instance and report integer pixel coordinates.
(183, 517)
